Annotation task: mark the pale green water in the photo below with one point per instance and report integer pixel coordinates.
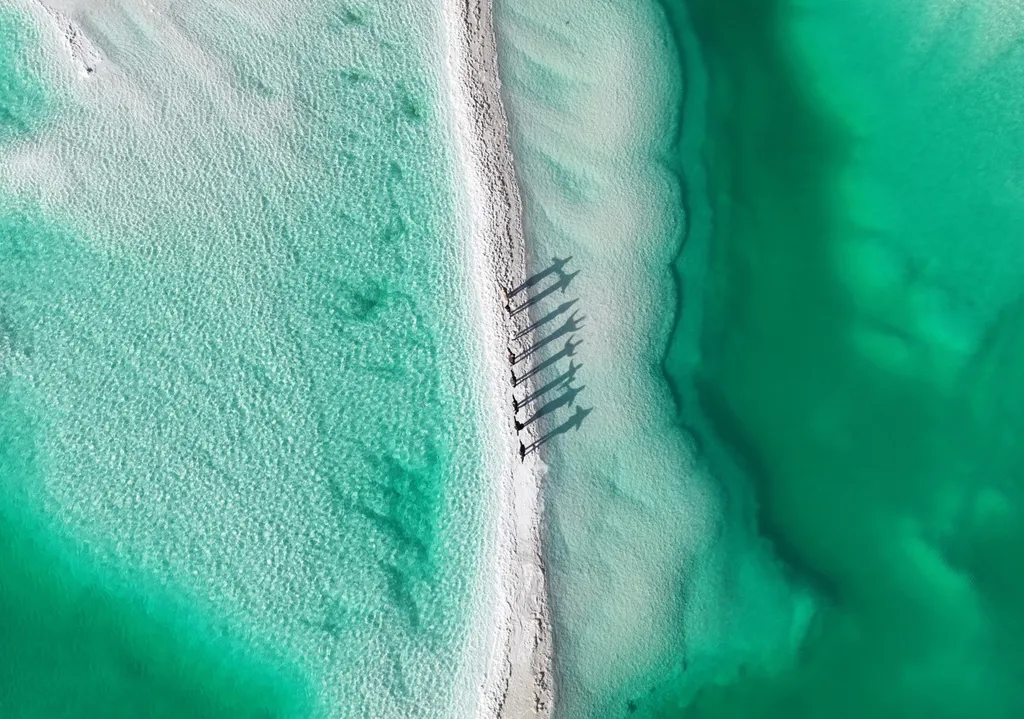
(241, 466)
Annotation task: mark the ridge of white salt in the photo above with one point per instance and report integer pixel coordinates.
(518, 681)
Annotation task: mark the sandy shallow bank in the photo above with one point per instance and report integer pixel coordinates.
(518, 679)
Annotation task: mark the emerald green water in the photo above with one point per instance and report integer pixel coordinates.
(82, 642)
(860, 348)
(238, 451)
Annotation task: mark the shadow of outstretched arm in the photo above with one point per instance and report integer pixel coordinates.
(573, 324)
(562, 284)
(567, 351)
(563, 379)
(556, 268)
(554, 314)
(574, 422)
(566, 399)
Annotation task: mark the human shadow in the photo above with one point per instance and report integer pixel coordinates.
(569, 350)
(563, 379)
(574, 422)
(566, 399)
(556, 267)
(554, 314)
(573, 324)
(562, 284)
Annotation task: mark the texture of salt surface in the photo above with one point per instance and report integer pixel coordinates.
(78, 43)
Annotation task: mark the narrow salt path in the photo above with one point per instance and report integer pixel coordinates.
(513, 615)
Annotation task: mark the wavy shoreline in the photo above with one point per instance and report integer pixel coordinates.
(518, 679)
(684, 158)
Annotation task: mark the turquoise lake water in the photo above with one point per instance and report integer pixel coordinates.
(860, 341)
(240, 461)
(241, 458)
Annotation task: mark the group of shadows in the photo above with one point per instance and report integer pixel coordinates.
(560, 392)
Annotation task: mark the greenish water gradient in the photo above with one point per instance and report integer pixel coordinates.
(235, 407)
(79, 641)
(75, 639)
(883, 448)
(23, 100)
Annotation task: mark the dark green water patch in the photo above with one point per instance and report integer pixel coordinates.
(77, 643)
(885, 460)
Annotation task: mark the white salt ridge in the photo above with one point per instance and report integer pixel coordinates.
(514, 612)
(648, 574)
(631, 516)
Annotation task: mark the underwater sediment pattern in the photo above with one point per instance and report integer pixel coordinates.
(860, 346)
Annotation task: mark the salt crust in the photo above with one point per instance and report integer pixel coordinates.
(518, 681)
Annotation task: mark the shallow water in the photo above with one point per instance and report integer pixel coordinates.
(241, 464)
